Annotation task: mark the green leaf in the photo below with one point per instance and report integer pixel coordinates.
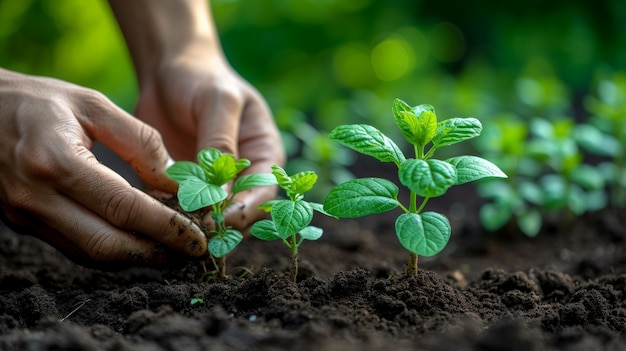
(264, 230)
(587, 176)
(194, 194)
(291, 216)
(206, 157)
(311, 233)
(494, 216)
(369, 141)
(423, 234)
(250, 181)
(529, 222)
(223, 170)
(183, 170)
(361, 197)
(242, 164)
(267, 205)
(221, 245)
(418, 125)
(284, 180)
(455, 130)
(471, 168)
(430, 178)
(303, 182)
(320, 208)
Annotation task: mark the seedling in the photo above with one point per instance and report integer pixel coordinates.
(421, 233)
(290, 217)
(196, 301)
(201, 185)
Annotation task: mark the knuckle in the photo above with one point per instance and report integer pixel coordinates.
(20, 198)
(102, 247)
(151, 140)
(120, 207)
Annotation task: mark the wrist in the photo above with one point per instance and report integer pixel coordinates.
(159, 32)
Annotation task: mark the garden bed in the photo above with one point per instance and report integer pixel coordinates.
(565, 289)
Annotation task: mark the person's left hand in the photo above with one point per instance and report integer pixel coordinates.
(197, 100)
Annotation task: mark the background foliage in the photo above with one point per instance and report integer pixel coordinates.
(321, 63)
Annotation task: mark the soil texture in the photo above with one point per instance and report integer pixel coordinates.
(563, 290)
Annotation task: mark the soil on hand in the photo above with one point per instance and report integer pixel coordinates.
(563, 290)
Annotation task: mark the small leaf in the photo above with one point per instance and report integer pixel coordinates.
(471, 168)
(303, 182)
(311, 233)
(494, 216)
(250, 181)
(242, 164)
(430, 178)
(194, 194)
(223, 170)
(206, 157)
(284, 180)
(221, 245)
(455, 130)
(291, 216)
(267, 205)
(264, 230)
(423, 234)
(529, 222)
(361, 197)
(369, 141)
(418, 124)
(183, 170)
(588, 177)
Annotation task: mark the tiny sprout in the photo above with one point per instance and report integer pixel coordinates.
(201, 185)
(290, 218)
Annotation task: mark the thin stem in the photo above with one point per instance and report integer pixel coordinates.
(293, 274)
(422, 205)
(413, 203)
(411, 269)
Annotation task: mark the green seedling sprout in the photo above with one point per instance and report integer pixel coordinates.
(201, 185)
(421, 233)
(290, 218)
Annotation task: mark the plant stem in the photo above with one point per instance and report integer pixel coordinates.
(411, 269)
(422, 205)
(293, 274)
(221, 267)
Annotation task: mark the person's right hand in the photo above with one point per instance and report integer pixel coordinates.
(53, 187)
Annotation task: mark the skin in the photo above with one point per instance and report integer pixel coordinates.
(53, 187)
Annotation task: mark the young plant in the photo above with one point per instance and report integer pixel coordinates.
(201, 185)
(421, 233)
(290, 217)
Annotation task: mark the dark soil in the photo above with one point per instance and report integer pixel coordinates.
(564, 290)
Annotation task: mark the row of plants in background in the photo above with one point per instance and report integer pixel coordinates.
(557, 168)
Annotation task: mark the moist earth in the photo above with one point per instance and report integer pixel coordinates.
(563, 290)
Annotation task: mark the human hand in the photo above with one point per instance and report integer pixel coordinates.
(53, 187)
(197, 100)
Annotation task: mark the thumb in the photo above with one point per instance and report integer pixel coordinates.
(218, 123)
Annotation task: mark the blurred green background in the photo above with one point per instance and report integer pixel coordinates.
(321, 63)
(345, 60)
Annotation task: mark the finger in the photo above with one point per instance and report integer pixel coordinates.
(135, 142)
(84, 237)
(108, 195)
(218, 120)
(260, 143)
